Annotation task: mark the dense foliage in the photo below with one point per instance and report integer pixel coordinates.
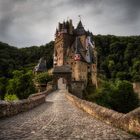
(43, 78)
(118, 57)
(118, 95)
(12, 58)
(23, 60)
(21, 84)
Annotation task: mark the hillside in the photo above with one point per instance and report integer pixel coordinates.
(118, 57)
(12, 58)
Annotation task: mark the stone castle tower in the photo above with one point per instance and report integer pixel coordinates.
(75, 48)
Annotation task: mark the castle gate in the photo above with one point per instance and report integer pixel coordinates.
(64, 72)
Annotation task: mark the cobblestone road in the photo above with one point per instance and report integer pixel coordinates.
(58, 119)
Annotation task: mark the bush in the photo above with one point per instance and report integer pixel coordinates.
(43, 78)
(118, 96)
(10, 97)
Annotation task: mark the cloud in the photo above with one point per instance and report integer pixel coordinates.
(33, 22)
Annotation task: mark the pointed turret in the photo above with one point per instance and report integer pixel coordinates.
(80, 29)
(56, 32)
(80, 25)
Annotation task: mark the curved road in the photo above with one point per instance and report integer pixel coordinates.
(58, 119)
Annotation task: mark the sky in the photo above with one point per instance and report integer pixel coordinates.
(25, 23)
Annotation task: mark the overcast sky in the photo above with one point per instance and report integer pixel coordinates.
(25, 23)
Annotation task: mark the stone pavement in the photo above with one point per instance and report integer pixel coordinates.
(58, 119)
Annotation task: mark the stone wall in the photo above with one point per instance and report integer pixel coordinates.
(129, 122)
(12, 108)
(77, 88)
(136, 87)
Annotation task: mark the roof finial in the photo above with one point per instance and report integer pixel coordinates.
(79, 17)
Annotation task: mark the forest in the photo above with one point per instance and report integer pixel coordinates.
(118, 59)
(16, 65)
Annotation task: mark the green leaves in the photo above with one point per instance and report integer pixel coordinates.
(12, 58)
(43, 78)
(3, 83)
(118, 95)
(15, 64)
(21, 84)
(10, 97)
(125, 99)
(119, 57)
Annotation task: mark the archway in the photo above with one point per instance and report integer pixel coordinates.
(63, 73)
(61, 84)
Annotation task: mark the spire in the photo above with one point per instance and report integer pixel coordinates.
(80, 29)
(56, 32)
(80, 25)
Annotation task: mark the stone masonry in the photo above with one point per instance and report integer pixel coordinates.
(58, 119)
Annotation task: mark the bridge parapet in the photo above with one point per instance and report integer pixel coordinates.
(129, 122)
(12, 108)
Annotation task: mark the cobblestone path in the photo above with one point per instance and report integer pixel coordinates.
(58, 119)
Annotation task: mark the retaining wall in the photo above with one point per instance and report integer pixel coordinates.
(129, 122)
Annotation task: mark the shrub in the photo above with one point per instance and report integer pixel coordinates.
(10, 97)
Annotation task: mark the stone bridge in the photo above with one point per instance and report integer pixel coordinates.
(58, 119)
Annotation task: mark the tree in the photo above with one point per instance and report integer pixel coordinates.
(123, 75)
(43, 78)
(3, 83)
(21, 84)
(118, 96)
(124, 98)
(135, 71)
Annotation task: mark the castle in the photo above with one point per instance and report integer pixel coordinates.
(75, 48)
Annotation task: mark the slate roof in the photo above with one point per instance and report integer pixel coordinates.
(62, 69)
(80, 29)
(80, 49)
(41, 66)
